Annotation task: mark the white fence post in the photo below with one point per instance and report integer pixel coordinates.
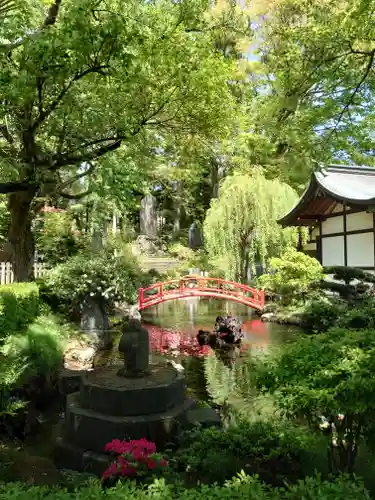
(7, 276)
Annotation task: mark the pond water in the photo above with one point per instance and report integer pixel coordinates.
(173, 327)
(187, 316)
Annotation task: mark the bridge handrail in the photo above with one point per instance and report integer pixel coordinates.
(160, 287)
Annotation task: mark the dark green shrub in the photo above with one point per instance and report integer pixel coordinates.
(275, 452)
(330, 375)
(321, 315)
(19, 306)
(241, 488)
(40, 346)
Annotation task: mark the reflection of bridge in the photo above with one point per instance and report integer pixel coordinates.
(192, 286)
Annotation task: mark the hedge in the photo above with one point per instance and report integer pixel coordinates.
(19, 306)
(243, 488)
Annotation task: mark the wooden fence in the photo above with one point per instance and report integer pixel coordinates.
(6, 272)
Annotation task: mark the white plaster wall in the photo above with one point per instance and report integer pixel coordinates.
(333, 225)
(333, 251)
(360, 248)
(360, 220)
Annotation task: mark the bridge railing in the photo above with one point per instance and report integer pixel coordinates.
(195, 285)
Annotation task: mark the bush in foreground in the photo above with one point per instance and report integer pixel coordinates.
(243, 487)
(277, 453)
(19, 306)
(331, 375)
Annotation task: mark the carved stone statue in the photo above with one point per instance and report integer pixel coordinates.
(135, 347)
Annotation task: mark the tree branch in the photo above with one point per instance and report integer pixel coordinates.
(52, 13)
(68, 159)
(356, 89)
(14, 187)
(43, 114)
(75, 178)
(74, 196)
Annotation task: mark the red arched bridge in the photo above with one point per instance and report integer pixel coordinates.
(193, 286)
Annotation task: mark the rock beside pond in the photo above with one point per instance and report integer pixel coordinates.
(126, 311)
(79, 354)
(269, 317)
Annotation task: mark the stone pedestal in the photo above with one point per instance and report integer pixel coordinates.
(109, 406)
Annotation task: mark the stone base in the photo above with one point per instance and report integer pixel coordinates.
(105, 391)
(70, 381)
(91, 430)
(68, 456)
(206, 417)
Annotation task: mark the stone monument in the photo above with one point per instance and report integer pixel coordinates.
(94, 322)
(136, 400)
(195, 237)
(149, 217)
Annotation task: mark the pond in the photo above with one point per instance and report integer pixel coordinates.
(173, 327)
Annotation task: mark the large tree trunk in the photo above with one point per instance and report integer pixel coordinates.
(20, 236)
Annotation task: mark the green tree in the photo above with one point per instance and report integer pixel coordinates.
(240, 226)
(99, 76)
(292, 275)
(329, 375)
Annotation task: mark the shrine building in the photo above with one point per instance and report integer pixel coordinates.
(338, 207)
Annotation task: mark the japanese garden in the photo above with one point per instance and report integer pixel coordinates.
(187, 250)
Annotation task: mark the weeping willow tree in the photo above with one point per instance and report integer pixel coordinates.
(241, 227)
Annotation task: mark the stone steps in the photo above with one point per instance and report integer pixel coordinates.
(160, 264)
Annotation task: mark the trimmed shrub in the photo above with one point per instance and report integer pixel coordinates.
(292, 276)
(19, 306)
(243, 487)
(275, 452)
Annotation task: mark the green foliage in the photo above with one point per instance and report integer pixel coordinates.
(297, 36)
(274, 452)
(36, 351)
(11, 372)
(181, 252)
(4, 218)
(40, 347)
(19, 306)
(241, 226)
(331, 374)
(158, 65)
(320, 315)
(348, 274)
(292, 275)
(102, 275)
(242, 487)
(55, 240)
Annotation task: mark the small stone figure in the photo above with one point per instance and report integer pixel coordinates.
(135, 347)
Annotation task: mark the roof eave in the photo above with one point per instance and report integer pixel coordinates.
(291, 218)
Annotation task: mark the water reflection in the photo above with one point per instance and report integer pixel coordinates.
(177, 322)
